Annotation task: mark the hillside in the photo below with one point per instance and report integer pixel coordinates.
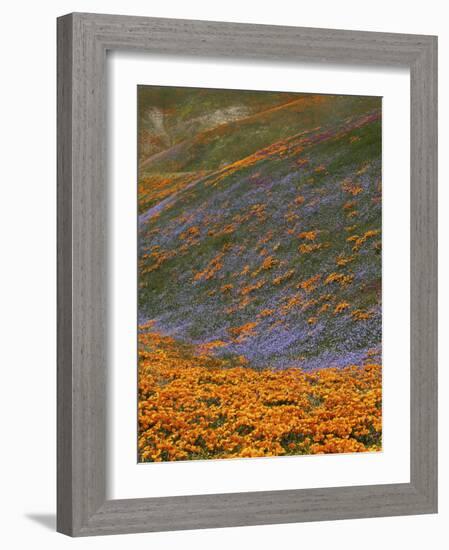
(260, 230)
(169, 116)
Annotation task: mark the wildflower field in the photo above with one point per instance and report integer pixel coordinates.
(259, 274)
(194, 406)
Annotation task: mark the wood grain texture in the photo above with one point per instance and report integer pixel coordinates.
(83, 40)
(64, 277)
(423, 274)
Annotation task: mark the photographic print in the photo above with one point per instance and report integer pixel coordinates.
(259, 274)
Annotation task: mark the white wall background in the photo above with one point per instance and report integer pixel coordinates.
(27, 272)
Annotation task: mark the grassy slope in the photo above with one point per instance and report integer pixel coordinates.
(210, 149)
(184, 112)
(254, 257)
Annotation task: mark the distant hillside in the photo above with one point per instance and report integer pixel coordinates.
(168, 116)
(260, 237)
(231, 141)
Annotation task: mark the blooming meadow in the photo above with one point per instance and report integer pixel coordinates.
(259, 274)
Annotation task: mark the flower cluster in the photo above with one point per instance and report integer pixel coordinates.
(193, 405)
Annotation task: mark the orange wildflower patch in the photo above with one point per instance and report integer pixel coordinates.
(226, 230)
(268, 263)
(340, 278)
(342, 260)
(309, 284)
(351, 188)
(308, 248)
(251, 288)
(308, 235)
(360, 315)
(158, 257)
(324, 308)
(212, 267)
(226, 289)
(292, 302)
(340, 307)
(359, 241)
(302, 162)
(243, 331)
(266, 313)
(282, 278)
(190, 407)
(190, 234)
(206, 349)
(320, 169)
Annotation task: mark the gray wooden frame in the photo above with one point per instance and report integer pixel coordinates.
(83, 40)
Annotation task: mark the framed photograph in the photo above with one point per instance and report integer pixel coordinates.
(247, 274)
